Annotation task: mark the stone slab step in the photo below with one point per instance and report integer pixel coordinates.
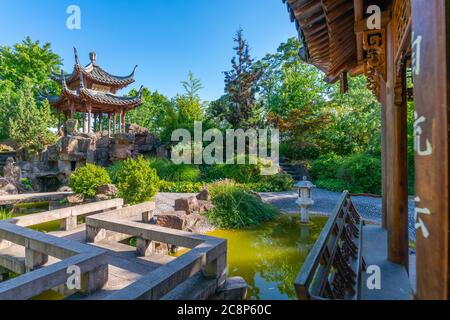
(195, 288)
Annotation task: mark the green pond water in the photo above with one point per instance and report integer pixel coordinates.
(270, 255)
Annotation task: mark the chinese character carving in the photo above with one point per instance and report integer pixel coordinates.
(418, 136)
(416, 54)
(419, 223)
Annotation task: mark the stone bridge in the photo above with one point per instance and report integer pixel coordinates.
(109, 267)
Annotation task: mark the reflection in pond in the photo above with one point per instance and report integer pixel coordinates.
(270, 255)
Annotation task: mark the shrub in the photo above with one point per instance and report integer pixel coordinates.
(87, 179)
(180, 187)
(242, 173)
(136, 181)
(26, 183)
(169, 171)
(236, 207)
(114, 169)
(359, 173)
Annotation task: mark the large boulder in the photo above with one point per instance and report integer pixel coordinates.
(204, 195)
(75, 199)
(235, 288)
(12, 171)
(64, 189)
(197, 223)
(173, 220)
(71, 127)
(122, 147)
(109, 190)
(137, 130)
(189, 205)
(9, 189)
(3, 182)
(179, 220)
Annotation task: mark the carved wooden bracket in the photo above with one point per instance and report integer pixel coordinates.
(374, 45)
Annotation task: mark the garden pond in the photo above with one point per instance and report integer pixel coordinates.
(269, 256)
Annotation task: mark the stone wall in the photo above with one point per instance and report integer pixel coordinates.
(55, 164)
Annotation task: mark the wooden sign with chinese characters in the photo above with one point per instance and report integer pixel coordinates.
(430, 59)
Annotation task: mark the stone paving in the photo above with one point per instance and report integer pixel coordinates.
(325, 201)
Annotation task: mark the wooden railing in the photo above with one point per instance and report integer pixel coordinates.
(332, 270)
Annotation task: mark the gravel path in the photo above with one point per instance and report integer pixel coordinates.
(325, 201)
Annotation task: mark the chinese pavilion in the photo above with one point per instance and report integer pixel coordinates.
(91, 91)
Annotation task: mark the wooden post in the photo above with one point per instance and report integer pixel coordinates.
(100, 123)
(115, 122)
(109, 124)
(123, 121)
(431, 54)
(384, 168)
(84, 122)
(396, 158)
(95, 122)
(89, 118)
(120, 121)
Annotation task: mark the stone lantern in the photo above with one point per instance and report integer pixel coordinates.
(304, 198)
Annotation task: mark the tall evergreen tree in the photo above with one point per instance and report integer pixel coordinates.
(241, 86)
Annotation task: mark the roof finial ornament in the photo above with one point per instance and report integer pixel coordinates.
(92, 57)
(75, 51)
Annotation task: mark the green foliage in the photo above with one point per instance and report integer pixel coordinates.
(30, 61)
(26, 183)
(28, 124)
(151, 113)
(5, 214)
(136, 181)
(87, 179)
(114, 169)
(245, 173)
(236, 207)
(358, 173)
(181, 186)
(183, 111)
(169, 171)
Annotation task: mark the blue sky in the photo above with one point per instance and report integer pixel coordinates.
(166, 38)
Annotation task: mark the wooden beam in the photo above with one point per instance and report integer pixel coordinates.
(431, 56)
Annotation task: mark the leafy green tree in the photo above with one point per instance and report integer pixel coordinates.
(151, 112)
(28, 124)
(289, 83)
(8, 102)
(29, 60)
(184, 110)
(192, 86)
(25, 62)
(357, 120)
(241, 86)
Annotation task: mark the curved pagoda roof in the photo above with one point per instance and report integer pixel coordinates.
(326, 28)
(101, 102)
(94, 74)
